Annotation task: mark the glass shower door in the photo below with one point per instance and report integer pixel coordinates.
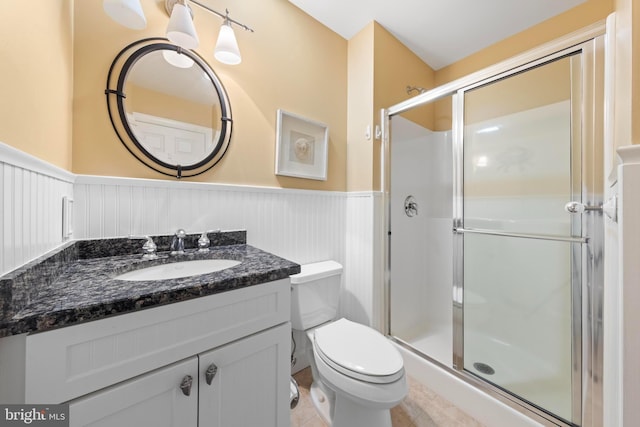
(521, 158)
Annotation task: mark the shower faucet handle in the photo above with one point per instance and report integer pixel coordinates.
(410, 206)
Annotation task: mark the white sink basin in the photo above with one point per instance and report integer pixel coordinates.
(176, 270)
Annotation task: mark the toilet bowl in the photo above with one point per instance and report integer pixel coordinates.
(358, 375)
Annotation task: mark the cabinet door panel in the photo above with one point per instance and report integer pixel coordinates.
(251, 385)
(154, 399)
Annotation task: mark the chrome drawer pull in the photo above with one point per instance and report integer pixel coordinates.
(185, 385)
(211, 372)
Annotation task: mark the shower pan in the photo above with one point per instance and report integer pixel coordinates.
(497, 277)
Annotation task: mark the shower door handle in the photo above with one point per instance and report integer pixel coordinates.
(609, 208)
(578, 208)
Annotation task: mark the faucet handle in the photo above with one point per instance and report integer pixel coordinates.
(149, 248)
(203, 241)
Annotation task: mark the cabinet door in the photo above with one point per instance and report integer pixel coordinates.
(251, 384)
(153, 399)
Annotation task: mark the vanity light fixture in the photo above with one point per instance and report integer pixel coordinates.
(126, 12)
(227, 50)
(180, 29)
(182, 32)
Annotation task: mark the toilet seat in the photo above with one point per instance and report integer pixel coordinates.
(358, 352)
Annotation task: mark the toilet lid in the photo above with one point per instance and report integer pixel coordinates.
(358, 351)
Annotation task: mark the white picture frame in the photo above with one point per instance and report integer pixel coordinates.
(302, 147)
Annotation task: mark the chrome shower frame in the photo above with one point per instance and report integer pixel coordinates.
(587, 253)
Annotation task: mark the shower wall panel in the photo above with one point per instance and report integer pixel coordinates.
(421, 245)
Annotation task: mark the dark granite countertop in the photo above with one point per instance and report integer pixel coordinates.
(76, 283)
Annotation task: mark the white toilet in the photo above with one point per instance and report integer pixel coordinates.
(358, 375)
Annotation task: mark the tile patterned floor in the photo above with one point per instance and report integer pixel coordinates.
(421, 408)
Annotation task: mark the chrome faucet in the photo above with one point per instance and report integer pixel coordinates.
(149, 248)
(177, 244)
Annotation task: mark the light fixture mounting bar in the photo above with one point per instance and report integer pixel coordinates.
(168, 4)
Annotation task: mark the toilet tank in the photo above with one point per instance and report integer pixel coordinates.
(314, 294)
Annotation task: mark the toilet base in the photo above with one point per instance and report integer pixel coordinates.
(348, 413)
(321, 402)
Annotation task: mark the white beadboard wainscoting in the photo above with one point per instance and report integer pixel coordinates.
(363, 298)
(31, 192)
(301, 225)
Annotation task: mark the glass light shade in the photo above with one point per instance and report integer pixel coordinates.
(177, 59)
(181, 30)
(126, 12)
(226, 50)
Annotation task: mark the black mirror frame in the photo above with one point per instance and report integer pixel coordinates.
(119, 70)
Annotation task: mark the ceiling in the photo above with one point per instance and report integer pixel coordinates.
(440, 32)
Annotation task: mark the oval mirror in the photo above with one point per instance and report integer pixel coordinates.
(168, 108)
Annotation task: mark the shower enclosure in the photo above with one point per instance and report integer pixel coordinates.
(494, 189)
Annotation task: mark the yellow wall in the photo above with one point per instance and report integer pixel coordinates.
(36, 54)
(538, 87)
(380, 69)
(572, 20)
(291, 62)
(360, 111)
(627, 99)
(394, 68)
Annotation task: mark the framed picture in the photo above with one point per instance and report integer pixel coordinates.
(301, 147)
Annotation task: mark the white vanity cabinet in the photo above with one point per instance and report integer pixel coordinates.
(238, 384)
(126, 370)
(153, 399)
(246, 389)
